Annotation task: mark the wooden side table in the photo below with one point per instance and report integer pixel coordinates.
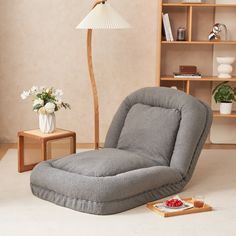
(35, 145)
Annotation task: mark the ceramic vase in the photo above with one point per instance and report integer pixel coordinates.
(47, 123)
(225, 67)
(225, 108)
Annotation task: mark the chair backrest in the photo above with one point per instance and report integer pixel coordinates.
(163, 124)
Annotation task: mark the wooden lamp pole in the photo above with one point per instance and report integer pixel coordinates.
(117, 22)
(93, 83)
(94, 88)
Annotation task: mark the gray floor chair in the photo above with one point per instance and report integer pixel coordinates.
(151, 150)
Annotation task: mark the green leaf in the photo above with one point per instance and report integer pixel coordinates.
(37, 107)
(219, 85)
(224, 93)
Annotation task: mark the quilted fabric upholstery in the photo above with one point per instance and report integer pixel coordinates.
(151, 150)
(150, 132)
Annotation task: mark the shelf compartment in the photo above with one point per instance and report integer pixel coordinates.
(197, 5)
(217, 114)
(203, 79)
(178, 17)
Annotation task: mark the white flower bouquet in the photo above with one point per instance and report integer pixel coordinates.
(45, 100)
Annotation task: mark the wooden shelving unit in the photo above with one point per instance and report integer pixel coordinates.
(193, 41)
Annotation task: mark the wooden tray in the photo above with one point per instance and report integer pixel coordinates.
(206, 207)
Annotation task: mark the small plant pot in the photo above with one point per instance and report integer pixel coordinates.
(225, 108)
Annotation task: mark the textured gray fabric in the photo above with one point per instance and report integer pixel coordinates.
(102, 189)
(150, 132)
(105, 162)
(130, 178)
(196, 119)
(106, 208)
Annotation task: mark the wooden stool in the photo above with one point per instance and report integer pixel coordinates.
(41, 146)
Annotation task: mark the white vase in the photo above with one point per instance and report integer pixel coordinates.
(47, 123)
(225, 108)
(225, 67)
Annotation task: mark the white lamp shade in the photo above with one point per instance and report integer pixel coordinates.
(103, 16)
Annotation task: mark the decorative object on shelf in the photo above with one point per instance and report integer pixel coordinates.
(186, 72)
(167, 27)
(187, 69)
(225, 67)
(225, 95)
(181, 34)
(102, 16)
(215, 34)
(46, 101)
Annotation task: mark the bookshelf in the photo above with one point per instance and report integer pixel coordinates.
(198, 19)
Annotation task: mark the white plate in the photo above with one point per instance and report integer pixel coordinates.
(169, 207)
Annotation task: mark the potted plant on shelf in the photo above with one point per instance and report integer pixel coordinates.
(225, 95)
(46, 101)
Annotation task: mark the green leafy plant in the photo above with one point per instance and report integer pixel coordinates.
(224, 93)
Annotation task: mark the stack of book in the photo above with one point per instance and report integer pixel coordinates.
(187, 76)
(167, 27)
(186, 72)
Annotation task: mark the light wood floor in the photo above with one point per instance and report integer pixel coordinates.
(5, 146)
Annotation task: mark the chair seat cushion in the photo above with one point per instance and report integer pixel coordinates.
(105, 162)
(103, 188)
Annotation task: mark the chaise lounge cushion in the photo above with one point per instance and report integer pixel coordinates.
(150, 132)
(128, 173)
(103, 163)
(82, 188)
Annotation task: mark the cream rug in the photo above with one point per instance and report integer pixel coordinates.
(22, 214)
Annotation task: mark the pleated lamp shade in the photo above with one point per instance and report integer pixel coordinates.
(103, 16)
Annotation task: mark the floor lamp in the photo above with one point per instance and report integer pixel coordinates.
(102, 16)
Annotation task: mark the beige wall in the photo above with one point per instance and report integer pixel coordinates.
(40, 46)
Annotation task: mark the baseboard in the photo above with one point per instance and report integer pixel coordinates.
(78, 145)
(5, 146)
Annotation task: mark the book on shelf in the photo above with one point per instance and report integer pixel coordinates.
(187, 76)
(167, 27)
